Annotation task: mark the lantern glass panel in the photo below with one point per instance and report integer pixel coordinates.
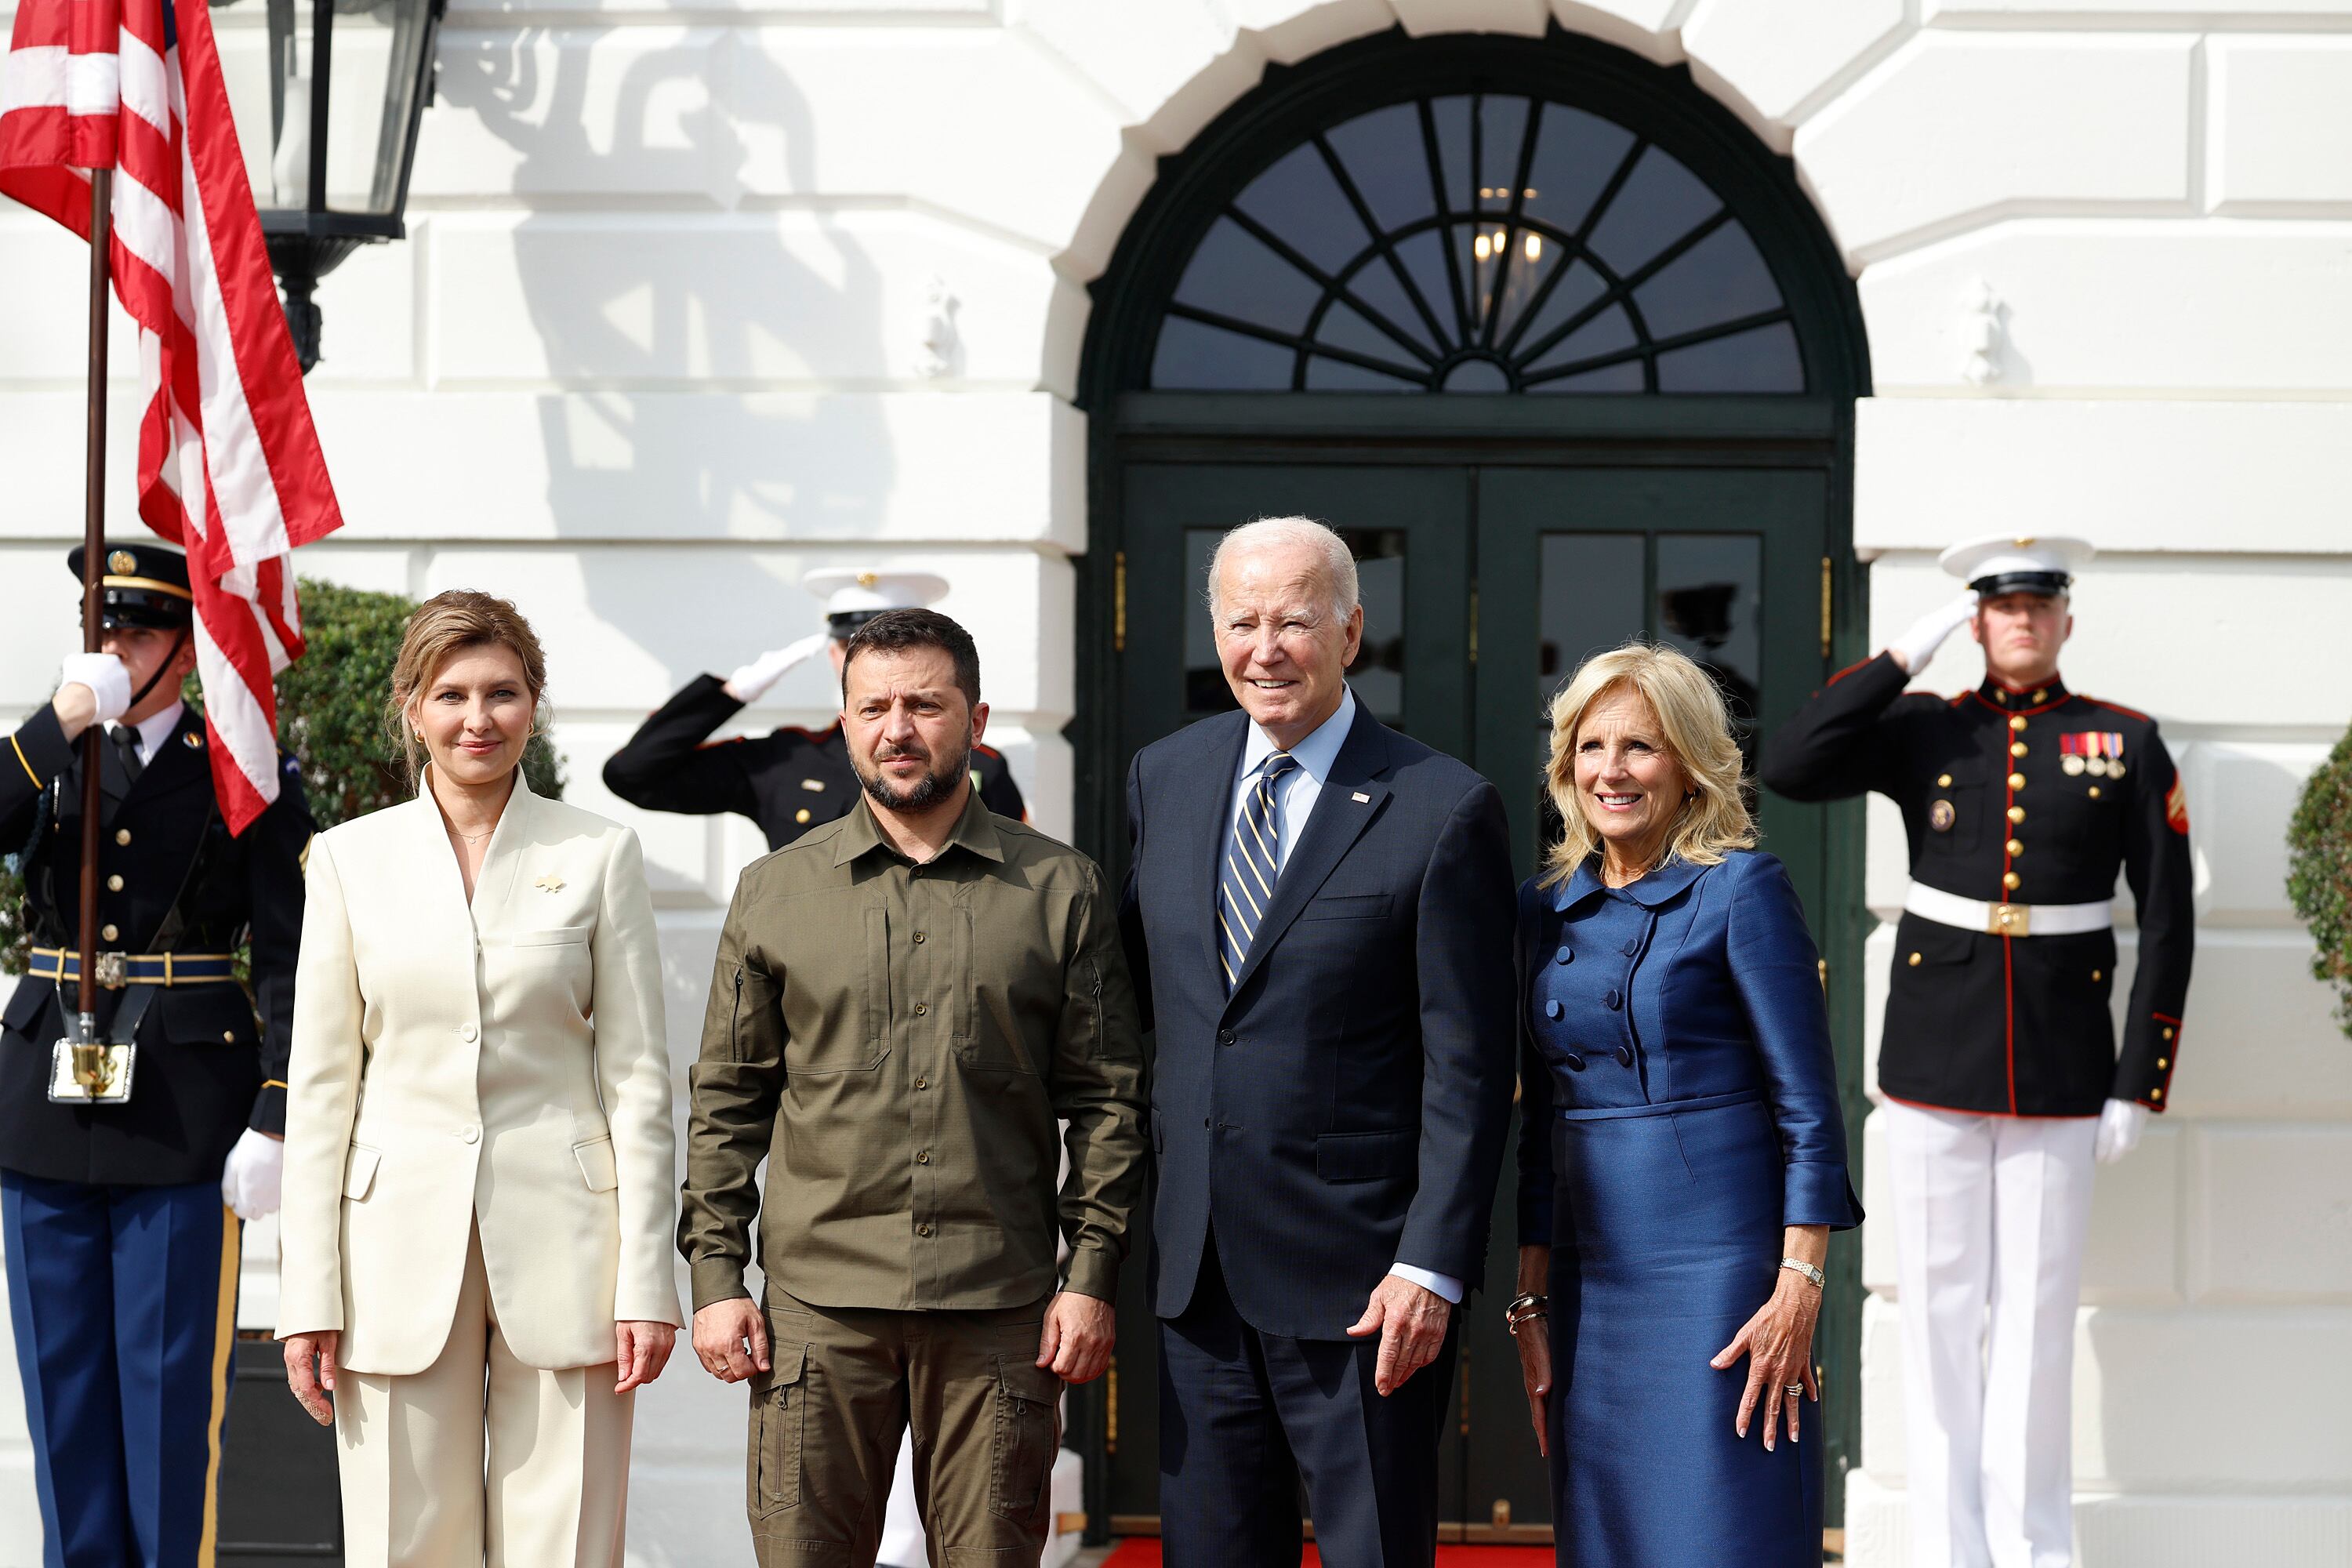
(373, 78)
(259, 40)
(269, 56)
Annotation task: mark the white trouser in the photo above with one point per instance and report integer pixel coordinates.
(903, 1542)
(1991, 1214)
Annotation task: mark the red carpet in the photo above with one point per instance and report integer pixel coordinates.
(1143, 1552)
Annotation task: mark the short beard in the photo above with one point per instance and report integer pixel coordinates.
(935, 787)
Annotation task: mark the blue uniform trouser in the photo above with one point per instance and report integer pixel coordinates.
(123, 1304)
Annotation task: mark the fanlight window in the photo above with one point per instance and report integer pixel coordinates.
(1478, 243)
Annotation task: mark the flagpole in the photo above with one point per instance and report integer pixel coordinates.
(93, 567)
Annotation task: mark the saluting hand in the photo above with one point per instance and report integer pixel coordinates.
(1410, 1321)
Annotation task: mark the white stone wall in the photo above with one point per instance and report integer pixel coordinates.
(666, 334)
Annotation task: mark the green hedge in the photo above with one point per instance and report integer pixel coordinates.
(2319, 871)
(331, 717)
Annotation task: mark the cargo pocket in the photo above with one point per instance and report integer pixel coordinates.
(1028, 1434)
(778, 1414)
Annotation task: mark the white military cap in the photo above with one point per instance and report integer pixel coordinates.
(2005, 563)
(853, 597)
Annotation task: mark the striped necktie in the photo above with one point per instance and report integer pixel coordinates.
(1245, 885)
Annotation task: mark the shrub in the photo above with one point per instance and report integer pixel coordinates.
(2319, 871)
(331, 717)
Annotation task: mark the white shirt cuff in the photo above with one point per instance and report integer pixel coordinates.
(1445, 1285)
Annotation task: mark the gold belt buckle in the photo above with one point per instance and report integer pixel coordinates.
(113, 969)
(2010, 919)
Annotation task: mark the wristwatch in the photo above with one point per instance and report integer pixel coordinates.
(1819, 1279)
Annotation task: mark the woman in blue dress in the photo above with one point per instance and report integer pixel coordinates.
(1684, 1159)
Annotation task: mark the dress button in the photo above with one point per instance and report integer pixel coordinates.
(1615, 999)
(469, 1032)
(1552, 1010)
(2017, 814)
(1565, 955)
(228, 1037)
(922, 1156)
(114, 884)
(2017, 748)
(2014, 848)
(802, 816)
(923, 1008)
(1632, 946)
(1224, 1037)
(1575, 1062)
(470, 1134)
(108, 933)
(1914, 961)
(2011, 879)
(122, 836)
(922, 1083)
(923, 1227)
(2017, 781)
(1625, 1056)
(919, 936)
(2017, 722)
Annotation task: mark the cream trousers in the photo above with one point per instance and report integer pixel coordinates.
(481, 1459)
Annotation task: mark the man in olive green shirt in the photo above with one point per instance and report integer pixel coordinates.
(905, 1004)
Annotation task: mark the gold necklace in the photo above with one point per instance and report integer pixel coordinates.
(471, 837)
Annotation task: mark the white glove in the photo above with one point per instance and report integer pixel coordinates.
(751, 681)
(251, 1179)
(1920, 640)
(2120, 1124)
(103, 677)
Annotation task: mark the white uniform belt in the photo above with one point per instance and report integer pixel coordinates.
(2007, 920)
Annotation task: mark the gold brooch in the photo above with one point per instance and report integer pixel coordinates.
(548, 883)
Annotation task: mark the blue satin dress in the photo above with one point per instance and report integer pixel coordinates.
(1680, 1107)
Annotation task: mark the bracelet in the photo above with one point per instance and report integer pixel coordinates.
(1532, 1304)
(1799, 1266)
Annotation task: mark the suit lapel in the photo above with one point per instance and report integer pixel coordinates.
(1351, 798)
(175, 764)
(1208, 810)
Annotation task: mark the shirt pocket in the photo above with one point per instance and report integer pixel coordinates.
(842, 1036)
(980, 1043)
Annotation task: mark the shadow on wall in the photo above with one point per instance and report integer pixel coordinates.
(655, 321)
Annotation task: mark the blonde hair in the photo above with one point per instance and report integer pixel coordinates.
(449, 623)
(1697, 727)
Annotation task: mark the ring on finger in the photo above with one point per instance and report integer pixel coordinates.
(1793, 1390)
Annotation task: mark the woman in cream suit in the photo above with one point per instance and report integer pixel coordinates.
(478, 1190)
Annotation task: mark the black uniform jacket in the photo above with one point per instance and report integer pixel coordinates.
(2024, 797)
(171, 879)
(787, 781)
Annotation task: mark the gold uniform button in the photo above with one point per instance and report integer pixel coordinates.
(2040, 692)
(228, 1037)
(108, 933)
(2017, 781)
(922, 1083)
(2167, 1034)
(2094, 791)
(2017, 748)
(2010, 880)
(923, 1230)
(1943, 781)
(2097, 976)
(2156, 1094)
(921, 1008)
(2014, 848)
(2017, 814)
(801, 816)
(922, 1156)
(2161, 1064)
(122, 836)
(2017, 722)
(1914, 961)
(114, 884)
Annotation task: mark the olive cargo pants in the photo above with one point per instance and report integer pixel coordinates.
(844, 1384)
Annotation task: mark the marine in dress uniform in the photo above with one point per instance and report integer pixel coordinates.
(790, 780)
(2003, 1073)
(121, 1258)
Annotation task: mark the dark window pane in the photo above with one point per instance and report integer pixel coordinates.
(1477, 375)
(1383, 154)
(1377, 674)
(1720, 279)
(1327, 374)
(1576, 288)
(1502, 127)
(1763, 360)
(1453, 115)
(1375, 284)
(1193, 357)
(1606, 334)
(1575, 154)
(1343, 328)
(1236, 275)
(1661, 202)
(1589, 598)
(1424, 258)
(1711, 606)
(1623, 376)
(1299, 200)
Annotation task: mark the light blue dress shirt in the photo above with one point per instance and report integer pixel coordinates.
(1295, 798)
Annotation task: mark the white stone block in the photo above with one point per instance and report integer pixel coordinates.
(2258, 1037)
(582, 111)
(1782, 58)
(1644, 27)
(2141, 475)
(2164, 634)
(43, 626)
(1142, 56)
(665, 300)
(1528, 18)
(45, 330)
(1288, 31)
(977, 122)
(2086, 305)
(2214, 1400)
(2271, 1214)
(1884, 1451)
(2188, 12)
(1956, 128)
(2241, 795)
(2279, 125)
(680, 465)
(2175, 1531)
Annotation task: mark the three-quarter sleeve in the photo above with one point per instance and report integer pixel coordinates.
(1778, 973)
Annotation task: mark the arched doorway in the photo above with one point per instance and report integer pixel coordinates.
(1567, 356)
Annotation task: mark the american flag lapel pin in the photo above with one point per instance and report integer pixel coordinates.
(1361, 797)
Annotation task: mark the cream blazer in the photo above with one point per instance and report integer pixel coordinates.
(503, 1064)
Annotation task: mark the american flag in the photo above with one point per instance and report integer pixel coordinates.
(229, 466)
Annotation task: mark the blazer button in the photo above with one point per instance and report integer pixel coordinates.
(108, 933)
(1615, 999)
(1575, 1062)
(470, 1134)
(469, 1032)
(1625, 1056)
(1565, 955)
(1552, 1010)
(122, 836)
(1632, 945)
(1224, 1037)
(114, 883)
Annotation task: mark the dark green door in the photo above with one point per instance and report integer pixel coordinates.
(1484, 587)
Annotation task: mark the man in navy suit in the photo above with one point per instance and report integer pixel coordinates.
(1319, 918)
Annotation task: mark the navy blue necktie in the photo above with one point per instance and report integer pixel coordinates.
(1245, 882)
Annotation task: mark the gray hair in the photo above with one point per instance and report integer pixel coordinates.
(1277, 532)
